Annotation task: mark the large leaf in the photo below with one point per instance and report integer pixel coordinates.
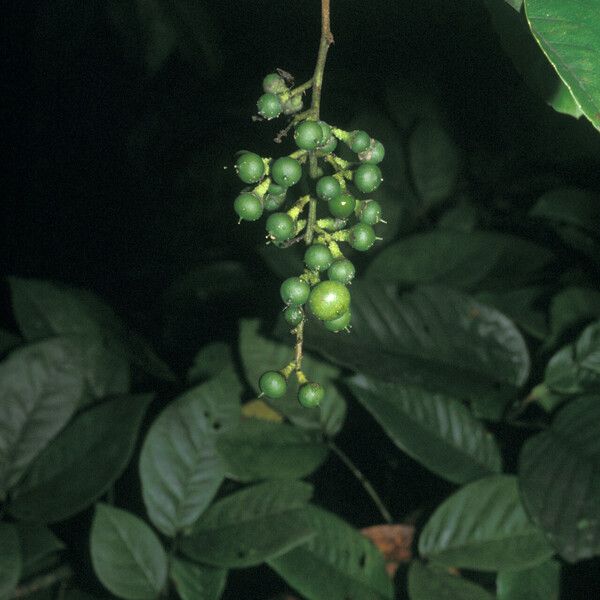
(82, 462)
(570, 206)
(433, 583)
(483, 526)
(258, 449)
(568, 32)
(197, 582)
(39, 547)
(570, 308)
(251, 525)
(180, 468)
(541, 582)
(209, 362)
(40, 388)
(437, 430)
(559, 477)
(127, 556)
(336, 564)
(10, 560)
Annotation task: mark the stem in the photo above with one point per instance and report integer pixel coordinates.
(301, 88)
(363, 481)
(62, 574)
(326, 41)
(298, 346)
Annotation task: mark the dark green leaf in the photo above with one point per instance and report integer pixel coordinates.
(283, 264)
(39, 547)
(483, 526)
(434, 429)
(258, 449)
(433, 583)
(41, 385)
(559, 477)
(127, 556)
(336, 564)
(541, 582)
(572, 307)
(213, 359)
(570, 206)
(8, 341)
(251, 525)
(10, 560)
(180, 468)
(197, 582)
(82, 462)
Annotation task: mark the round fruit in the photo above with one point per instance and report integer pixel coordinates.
(329, 146)
(341, 270)
(294, 291)
(250, 167)
(329, 300)
(293, 105)
(274, 197)
(308, 135)
(359, 141)
(274, 84)
(374, 154)
(293, 315)
(340, 323)
(367, 178)
(248, 207)
(325, 131)
(280, 226)
(269, 106)
(342, 206)
(362, 237)
(370, 212)
(286, 171)
(310, 395)
(318, 257)
(328, 187)
(272, 384)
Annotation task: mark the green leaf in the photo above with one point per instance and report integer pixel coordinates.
(82, 462)
(127, 556)
(338, 563)
(251, 525)
(463, 260)
(568, 32)
(259, 354)
(569, 206)
(197, 582)
(434, 429)
(541, 582)
(559, 478)
(484, 527)
(180, 468)
(10, 560)
(41, 386)
(427, 582)
(8, 341)
(570, 308)
(210, 361)
(39, 547)
(258, 449)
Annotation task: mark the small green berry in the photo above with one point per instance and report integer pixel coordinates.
(374, 154)
(318, 257)
(329, 146)
(370, 212)
(294, 291)
(325, 131)
(293, 105)
(359, 141)
(341, 270)
(272, 384)
(274, 84)
(269, 106)
(328, 187)
(367, 178)
(340, 323)
(308, 135)
(342, 206)
(280, 226)
(274, 197)
(293, 315)
(362, 237)
(286, 171)
(248, 207)
(329, 300)
(250, 167)
(310, 395)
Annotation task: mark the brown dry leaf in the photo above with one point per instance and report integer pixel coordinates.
(394, 542)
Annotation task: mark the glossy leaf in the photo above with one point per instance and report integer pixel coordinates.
(82, 462)
(127, 556)
(541, 582)
(251, 525)
(434, 429)
(180, 468)
(39, 548)
(484, 526)
(559, 478)
(10, 560)
(336, 564)
(197, 582)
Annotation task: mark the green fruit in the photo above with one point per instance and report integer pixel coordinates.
(250, 167)
(318, 257)
(308, 135)
(342, 206)
(272, 384)
(329, 146)
(310, 395)
(269, 106)
(294, 291)
(370, 212)
(293, 315)
(280, 226)
(367, 178)
(248, 207)
(274, 197)
(293, 105)
(359, 141)
(328, 187)
(340, 323)
(329, 300)
(274, 84)
(362, 237)
(286, 171)
(374, 154)
(325, 131)
(341, 270)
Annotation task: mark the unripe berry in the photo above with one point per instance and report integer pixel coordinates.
(310, 395)
(250, 167)
(272, 384)
(342, 206)
(286, 171)
(367, 178)
(294, 291)
(280, 226)
(274, 84)
(269, 106)
(329, 146)
(374, 154)
(248, 207)
(340, 323)
(318, 257)
(329, 300)
(362, 237)
(359, 141)
(293, 315)
(308, 135)
(341, 270)
(325, 131)
(328, 187)
(293, 105)
(370, 212)
(274, 197)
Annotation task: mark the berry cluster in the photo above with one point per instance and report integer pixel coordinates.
(350, 219)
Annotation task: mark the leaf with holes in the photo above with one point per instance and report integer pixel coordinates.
(251, 525)
(484, 526)
(180, 468)
(10, 560)
(541, 582)
(197, 582)
(559, 477)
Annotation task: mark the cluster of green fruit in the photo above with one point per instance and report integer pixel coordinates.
(316, 141)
